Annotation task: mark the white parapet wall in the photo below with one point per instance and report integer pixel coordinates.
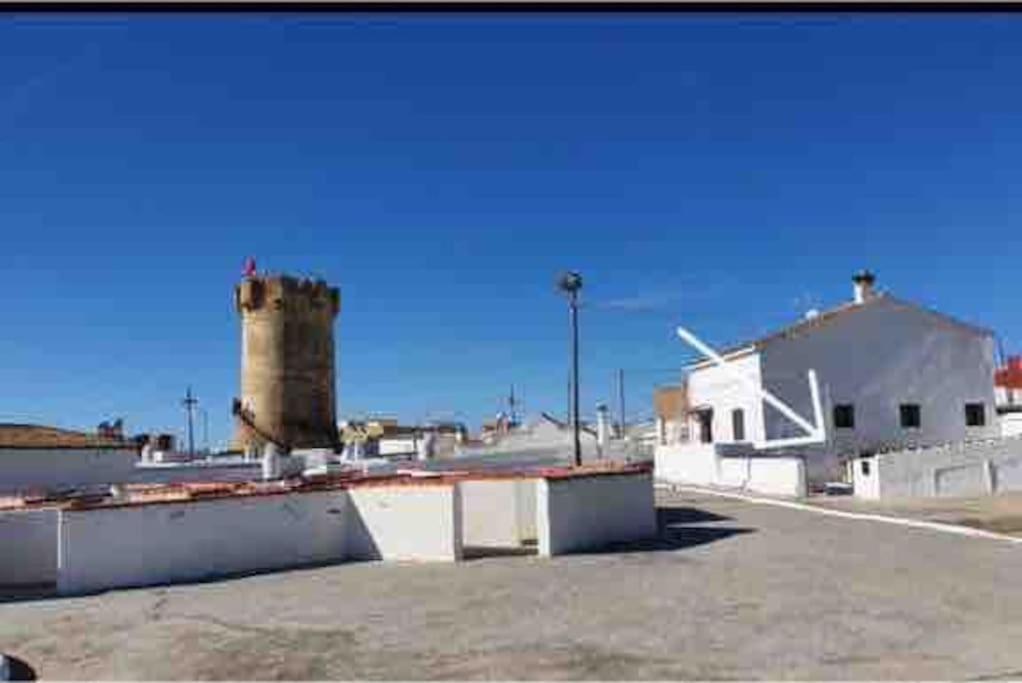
(137, 545)
(84, 547)
(586, 513)
(28, 539)
(420, 522)
(729, 467)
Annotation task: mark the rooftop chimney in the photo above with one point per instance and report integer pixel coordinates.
(863, 285)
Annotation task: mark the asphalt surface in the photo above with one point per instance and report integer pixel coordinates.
(728, 590)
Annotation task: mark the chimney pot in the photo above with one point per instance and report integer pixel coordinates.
(863, 281)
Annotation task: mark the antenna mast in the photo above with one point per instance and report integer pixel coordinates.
(189, 402)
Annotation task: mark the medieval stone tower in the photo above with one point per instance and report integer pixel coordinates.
(287, 362)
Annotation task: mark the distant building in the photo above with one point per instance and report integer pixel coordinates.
(41, 458)
(671, 404)
(891, 374)
(1008, 393)
(382, 437)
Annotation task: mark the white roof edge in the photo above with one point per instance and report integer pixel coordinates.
(705, 362)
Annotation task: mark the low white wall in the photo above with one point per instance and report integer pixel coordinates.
(707, 465)
(406, 523)
(25, 469)
(582, 513)
(961, 469)
(865, 484)
(1007, 474)
(29, 542)
(498, 512)
(1011, 424)
(777, 476)
(150, 544)
(687, 463)
(961, 480)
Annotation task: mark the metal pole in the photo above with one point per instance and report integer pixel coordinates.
(189, 404)
(574, 376)
(567, 413)
(621, 398)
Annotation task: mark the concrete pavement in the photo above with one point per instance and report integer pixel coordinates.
(729, 590)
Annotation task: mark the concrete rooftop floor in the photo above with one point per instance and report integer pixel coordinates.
(729, 590)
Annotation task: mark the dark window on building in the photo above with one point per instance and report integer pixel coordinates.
(705, 418)
(864, 466)
(844, 416)
(738, 424)
(975, 415)
(910, 415)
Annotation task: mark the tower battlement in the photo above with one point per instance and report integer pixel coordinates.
(284, 291)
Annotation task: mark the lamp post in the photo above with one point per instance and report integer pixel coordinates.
(570, 283)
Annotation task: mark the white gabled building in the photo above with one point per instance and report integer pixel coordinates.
(891, 373)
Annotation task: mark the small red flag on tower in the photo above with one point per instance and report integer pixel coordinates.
(250, 267)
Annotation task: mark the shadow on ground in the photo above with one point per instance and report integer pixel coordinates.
(678, 528)
(478, 552)
(14, 669)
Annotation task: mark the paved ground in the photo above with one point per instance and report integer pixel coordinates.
(1001, 513)
(729, 590)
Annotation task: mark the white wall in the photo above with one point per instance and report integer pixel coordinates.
(24, 469)
(397, 446)
(148, 544)
(29, 542)
(866, 484)
(778, 476)
(137, 545)
(962, 469)
(584, 513)
(171, 473)
(498, 512)
(731, 467)
(712, 385)
(525, 493)
(406, 523)
(1011, 424)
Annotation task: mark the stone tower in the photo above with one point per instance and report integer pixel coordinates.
(287, 362)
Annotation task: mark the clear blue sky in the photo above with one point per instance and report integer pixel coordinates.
(723, 172)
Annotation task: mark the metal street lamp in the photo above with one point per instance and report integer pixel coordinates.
(570, 283)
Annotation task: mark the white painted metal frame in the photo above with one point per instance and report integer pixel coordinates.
(815, 434)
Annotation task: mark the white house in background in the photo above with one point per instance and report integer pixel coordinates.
(891, 373)
(1008, 393)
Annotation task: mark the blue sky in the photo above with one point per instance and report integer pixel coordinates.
(725, 172)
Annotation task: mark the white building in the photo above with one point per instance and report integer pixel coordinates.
(1008, 393)
(891, 373)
